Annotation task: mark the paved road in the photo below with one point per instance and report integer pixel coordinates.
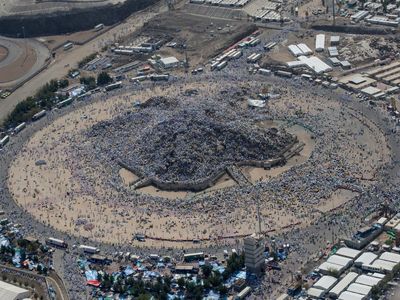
(57, 69)
(16, 50)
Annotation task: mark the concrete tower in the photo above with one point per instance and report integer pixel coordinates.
(254, 254)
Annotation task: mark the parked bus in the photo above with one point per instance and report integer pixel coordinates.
(56, 242)
(88, 249)
(193, 256)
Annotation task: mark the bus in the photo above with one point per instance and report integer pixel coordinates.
(39, 115)
(68, 46)
(4, 141)
(113, 86)
(193, 256)
(19, 128)
(243, 293)
(56, 242)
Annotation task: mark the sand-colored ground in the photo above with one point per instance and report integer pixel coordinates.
(338, 198)
(54, 194)
(3, 53)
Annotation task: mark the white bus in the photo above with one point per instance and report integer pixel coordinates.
(56, 242)
(68, 46)
(4, 141)
(19, 128)
(98, 27)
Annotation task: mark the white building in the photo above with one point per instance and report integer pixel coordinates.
(340, 260)
(169, 62)
(348, 252)
(368, 280)
(343, 284)
(325, 283)
(359, 289)
(320, 42)
(12, 292)
(365, 259)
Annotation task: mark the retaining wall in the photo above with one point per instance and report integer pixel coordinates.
(203, 183)
(70, 21)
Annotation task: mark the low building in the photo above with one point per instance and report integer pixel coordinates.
(12, 292)
(365, 259)
(327, 268)
(342, 285)
(335, 39)
(351, 296)
(359, 289)
(368, 280)
(392, 257)
(315, 293)
(340, 260)
(325, 283)
(371, 91)
(364, 236)
(169, 62)
(386, 266)
(348, 252)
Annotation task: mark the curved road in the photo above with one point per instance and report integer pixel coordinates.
(16, 50)
(57, 69)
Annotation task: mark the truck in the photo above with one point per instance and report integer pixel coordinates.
(88, 249)
(56, 242)
(39, 115)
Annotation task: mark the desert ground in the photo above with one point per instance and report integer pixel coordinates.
(57, 193)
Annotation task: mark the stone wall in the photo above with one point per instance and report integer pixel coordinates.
(202, 183)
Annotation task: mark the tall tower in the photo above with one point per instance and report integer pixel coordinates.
(254, 249)
(254, 254)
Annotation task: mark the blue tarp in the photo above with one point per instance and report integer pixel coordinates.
(4, 241)
(91, 275)
(212, 296)
(129, 271)
(17, 259)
